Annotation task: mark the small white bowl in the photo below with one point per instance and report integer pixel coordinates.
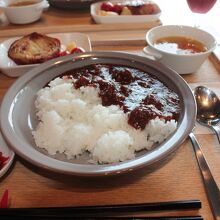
(181, 63)
(23, 14)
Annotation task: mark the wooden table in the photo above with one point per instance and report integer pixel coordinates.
(178, 179)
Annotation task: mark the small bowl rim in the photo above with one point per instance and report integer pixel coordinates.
(213, 46)
(24, 6)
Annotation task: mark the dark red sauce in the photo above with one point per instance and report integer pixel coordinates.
(138, 93)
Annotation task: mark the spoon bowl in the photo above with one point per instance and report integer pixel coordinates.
(208, 108)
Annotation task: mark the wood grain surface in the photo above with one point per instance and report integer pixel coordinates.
(177, 179)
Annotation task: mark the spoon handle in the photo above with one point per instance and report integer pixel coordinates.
(217, 131)
(211, 187)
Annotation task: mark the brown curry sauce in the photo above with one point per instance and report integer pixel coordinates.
(138, 93)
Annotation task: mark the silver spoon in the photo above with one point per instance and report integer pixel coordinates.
(208, 108)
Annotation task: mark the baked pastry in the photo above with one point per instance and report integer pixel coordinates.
(34, 48)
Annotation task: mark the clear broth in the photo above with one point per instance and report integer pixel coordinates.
(180, 45)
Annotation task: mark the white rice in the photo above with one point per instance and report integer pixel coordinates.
(72, 121)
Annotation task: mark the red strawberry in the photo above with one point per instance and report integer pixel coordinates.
(63, 53)
(107, 6)
(77, 50)
(117, 8)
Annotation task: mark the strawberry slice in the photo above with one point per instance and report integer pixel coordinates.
(107, 6)
(117, 8)
(77, 50)
(63, 53)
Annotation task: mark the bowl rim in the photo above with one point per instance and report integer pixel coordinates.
(151, 158)
(24, 6)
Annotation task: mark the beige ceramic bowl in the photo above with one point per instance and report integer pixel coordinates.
(181, 63)
(28, 11)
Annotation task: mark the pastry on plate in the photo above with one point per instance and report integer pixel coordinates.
(34, 48)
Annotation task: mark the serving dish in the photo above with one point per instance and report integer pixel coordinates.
(18, 117)
(120, 18)
(10, 68)
(24, 14)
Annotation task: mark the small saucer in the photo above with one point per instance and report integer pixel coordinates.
(7, 152)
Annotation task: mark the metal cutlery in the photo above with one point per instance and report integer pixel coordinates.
(211, 187)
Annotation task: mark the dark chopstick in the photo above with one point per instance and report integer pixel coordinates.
(103, 218)
(92, 210)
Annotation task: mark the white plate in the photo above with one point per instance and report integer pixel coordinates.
(6, 153)
(10, 68)
(120, 18)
